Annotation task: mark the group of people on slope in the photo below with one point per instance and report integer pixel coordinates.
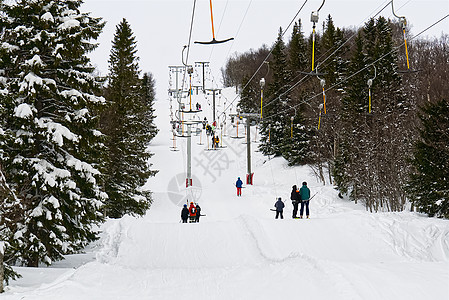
(301, 196)
(192, 213)
(210, 130)
(215, 141)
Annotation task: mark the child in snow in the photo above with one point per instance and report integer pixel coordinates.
(279, 208)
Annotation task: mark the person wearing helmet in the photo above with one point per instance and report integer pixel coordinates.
(304, 193)
(184, 214)
(279, 208)
(239, 184)
(192, 213)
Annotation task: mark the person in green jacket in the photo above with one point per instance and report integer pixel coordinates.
(304, 194)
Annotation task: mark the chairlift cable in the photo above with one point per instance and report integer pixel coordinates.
(353, 35)
(238, 30)
(329, 56)
(297, 83)
(362, 69)
(260, 66)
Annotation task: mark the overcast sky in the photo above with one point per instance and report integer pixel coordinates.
(162, 27)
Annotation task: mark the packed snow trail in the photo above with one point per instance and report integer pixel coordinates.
(238, 250)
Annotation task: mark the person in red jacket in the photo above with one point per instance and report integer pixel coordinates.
(192, 213)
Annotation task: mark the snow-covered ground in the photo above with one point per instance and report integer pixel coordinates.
(238, 250)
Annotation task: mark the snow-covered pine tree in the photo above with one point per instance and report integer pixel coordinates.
(274, 124)
(390, 127)
(334, 67)
(352, 123)
(296, 142)
(297, 51)
(128, 125)
(148, 97)
(428, 186)
(249, 96)
(11, 211)
(49, 138)
(375, 145)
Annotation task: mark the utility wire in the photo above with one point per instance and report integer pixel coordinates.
(191, 29)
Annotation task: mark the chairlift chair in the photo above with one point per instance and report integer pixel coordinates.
(213, 41)
(403, 22)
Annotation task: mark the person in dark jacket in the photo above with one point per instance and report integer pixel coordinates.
(304, 192)
(184, 214)
(279, 208)
(296, 198)
(198, 212)
(239, 184)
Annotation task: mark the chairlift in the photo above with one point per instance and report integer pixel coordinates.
(213, 41)
(319, 116)
(323, 83)
(370, 83)
(314, 19)
(403, 22)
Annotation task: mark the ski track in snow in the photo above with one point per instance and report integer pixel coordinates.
(239, 251)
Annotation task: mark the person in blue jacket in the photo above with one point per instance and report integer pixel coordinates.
(279, 208)
(304, 193)
(239, 184)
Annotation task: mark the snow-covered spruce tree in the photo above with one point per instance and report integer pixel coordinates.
(10, 213)
(391, 133)
(128, 125)
(376, 145)
(297, 51)
(353, 132)
(428, 187)
(334, 66)
(148, 94)
(249, 96)
(296, 142)
(274, 122)
(50, 144)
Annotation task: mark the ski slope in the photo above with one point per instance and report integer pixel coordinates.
(238, 250)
